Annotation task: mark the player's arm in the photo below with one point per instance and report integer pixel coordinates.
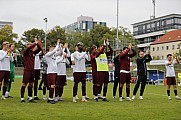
(72, 59)
(133, 54)
(108, 53)
(76, 56)
(59, 60)
(54, 50)
(29, 48)
(59, 51)
(39, 48)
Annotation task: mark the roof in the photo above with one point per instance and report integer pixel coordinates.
(172, 36)
(158, 18)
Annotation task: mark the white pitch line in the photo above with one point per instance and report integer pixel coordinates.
(155, 94)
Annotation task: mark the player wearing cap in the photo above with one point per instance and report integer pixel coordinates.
(80, 58)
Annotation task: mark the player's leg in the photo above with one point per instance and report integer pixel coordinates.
(106, 81)
(122, 81)
(77, 78)
(37, 77)
(169, 82)
(40, 85)
(128, 78)
(136, 87)
(7, 95)
(175, 88)
(116, 82)
(6, 77)
(143, 84)
(44, 78)
(94, 82)
(57, 88)
(83, 80)
(63, 82)
(100, 82)
(51, 83)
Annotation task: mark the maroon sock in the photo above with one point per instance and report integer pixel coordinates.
(61, 91)
(127, 91)
(83, 88)
(75, 88)
(44, 90)
(100, 89)
(22, 91)
(30, 91)
(120, 91)
(4, 90)
(105, 90)
(35, 87)
(51, 92)
(94, 89)
(57, 91)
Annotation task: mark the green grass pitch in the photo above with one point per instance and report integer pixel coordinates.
(155, 106)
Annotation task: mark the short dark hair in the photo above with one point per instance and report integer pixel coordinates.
(94, 46)
(169, 55)
(125, 48)
(11, 44)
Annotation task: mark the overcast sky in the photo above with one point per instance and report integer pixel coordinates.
(28, 14)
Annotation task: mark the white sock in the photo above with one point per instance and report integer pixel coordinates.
(50, 98)
(35, 96)
(30, 98)
(44, 96)
(22, 99)
(83, 97)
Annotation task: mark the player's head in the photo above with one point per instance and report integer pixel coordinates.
(11, 46)
(5, 45)
(28, 44)
(141, 54)
(76, 48)
(169, 57)
(125, 48)
(94, 49)
(118, 51)
(35, 38)
(80, 46)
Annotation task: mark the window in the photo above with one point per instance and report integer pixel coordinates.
(135, 29)
(153, 49)
(178, 46)
(148, 26)
(162, 47)
(173, 47)
(152, 25)
(143, 27)
(158, 24)
(169, 21)
(167, 47)
(162, 57)
(157, 48)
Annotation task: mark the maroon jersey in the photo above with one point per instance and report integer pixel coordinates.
(29, 56)
(94, 56)
(124, 59)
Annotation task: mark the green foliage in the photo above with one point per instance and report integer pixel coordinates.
(6, 34)
(56, 33)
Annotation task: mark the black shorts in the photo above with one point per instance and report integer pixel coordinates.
(103, 77)
(37, 74)
(79, 77)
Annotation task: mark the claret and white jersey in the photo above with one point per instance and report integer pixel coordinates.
(4, 61)
(50, 58)
(79, 58)
(170, 72)
(37, 61)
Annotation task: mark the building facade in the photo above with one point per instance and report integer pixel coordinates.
(168, 43)
(3, 23)
(83, 24)
(150, 30)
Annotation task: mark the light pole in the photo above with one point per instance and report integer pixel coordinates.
(117, 33)
(46, 20)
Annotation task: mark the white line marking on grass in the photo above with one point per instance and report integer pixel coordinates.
(156, 94)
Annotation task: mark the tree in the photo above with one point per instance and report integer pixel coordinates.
(56, 33)
(6, 34)
(29, 35)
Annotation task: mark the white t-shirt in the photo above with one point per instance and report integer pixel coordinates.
(170, 72)
(50, 58)
(37, 61)
(79, 59)
(61, 65)
(4, 61)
